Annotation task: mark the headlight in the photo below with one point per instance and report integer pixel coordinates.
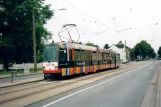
(56, 67)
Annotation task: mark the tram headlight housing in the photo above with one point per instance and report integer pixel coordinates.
(56, 67)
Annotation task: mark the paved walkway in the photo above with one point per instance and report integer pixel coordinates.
(19, 74)
(17, 80)
(9, 84)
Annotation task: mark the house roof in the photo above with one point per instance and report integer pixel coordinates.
(112, 45)
(120, 44)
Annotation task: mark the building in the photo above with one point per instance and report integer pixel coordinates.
(123, 50)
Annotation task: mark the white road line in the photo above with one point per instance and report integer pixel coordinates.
(91, 87)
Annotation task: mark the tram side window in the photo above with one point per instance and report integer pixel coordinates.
(100, 58)
(83, 55)
(70, 54)
(77, 55)
(63, 55)
(94, 54)
(111, 56)
(88, 56)
(105, 56)
(115, 56)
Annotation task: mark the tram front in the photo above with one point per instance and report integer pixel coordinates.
(50, 60)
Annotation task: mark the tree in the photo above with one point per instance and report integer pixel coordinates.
(132, 55)
(106, 46)
(16, 29)
(92, 44)
(159, 52)
(152, 54)
(144, 49)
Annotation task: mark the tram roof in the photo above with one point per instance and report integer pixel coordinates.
(81, 46)
(76, 46)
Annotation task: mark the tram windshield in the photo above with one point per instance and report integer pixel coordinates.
(50, 53)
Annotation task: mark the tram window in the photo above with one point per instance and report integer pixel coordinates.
(88, 55)
(112, 56)
(100, 56)
(94, 56)
(70, 54)
(77, 55)
(105, 56)
(63, 55)
(83, 55)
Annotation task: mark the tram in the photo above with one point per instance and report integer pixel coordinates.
(66, 59)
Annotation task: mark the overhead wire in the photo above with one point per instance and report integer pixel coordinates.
(90, 16)
(60, 20)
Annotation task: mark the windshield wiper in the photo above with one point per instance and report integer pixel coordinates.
(47, 57)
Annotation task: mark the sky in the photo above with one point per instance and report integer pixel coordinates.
(106, 17)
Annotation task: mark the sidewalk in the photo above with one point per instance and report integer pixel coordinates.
(9, 84)
(20, 74)
(153, 95)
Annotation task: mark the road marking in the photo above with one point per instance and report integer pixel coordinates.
(93, 86)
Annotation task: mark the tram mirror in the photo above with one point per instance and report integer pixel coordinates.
(64, 51)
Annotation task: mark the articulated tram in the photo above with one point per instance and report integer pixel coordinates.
(66, 59)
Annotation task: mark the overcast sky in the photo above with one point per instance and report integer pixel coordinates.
(139, 15)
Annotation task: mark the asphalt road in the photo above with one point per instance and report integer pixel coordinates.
(27, 77)
(126, 90)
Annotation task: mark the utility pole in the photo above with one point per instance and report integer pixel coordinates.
(34, 40)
